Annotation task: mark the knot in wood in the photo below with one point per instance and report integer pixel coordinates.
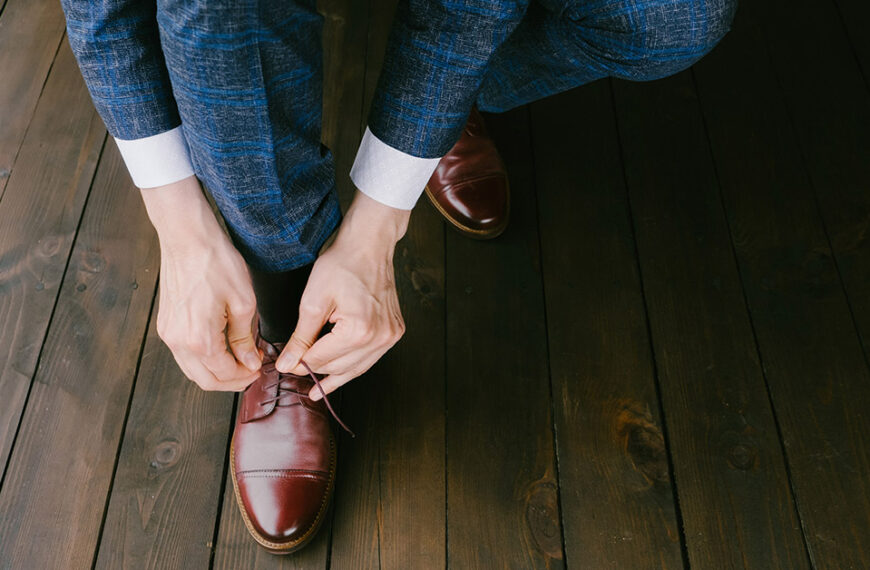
(48, 246)
(642, 440)
(742, 457)
(93, 262)
(542, 517)
(165, 455)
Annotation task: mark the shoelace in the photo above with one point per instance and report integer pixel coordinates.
(284, 391)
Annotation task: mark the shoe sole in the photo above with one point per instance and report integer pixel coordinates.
(471, 232)
(302, 541)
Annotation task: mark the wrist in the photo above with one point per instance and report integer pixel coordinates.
(180, 214)
(371, 223)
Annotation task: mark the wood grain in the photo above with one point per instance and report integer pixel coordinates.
(406, 391)
(167, 484)
(30, 33)
(853, 13)
(59, 474)
(819, 156)
(615, 482)
(355, 531)
(346, 24)
(735, 499)
(39, 216)
(502, 496)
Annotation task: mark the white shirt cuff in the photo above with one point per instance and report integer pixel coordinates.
(388, 175)
(157, 160)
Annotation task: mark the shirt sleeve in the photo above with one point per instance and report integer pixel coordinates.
(157, 160)
(388, 175)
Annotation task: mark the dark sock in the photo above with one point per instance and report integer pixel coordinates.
(278, 296)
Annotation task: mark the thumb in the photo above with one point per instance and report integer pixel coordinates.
(307, 329)
(241, 340)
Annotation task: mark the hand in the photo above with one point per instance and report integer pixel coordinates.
(206, 299)
(352, 285)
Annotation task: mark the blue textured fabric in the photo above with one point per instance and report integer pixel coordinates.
(244, 79)
(443, 56)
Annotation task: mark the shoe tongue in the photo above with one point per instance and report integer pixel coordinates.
(271, 350)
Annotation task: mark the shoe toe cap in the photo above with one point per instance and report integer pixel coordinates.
(284, 507)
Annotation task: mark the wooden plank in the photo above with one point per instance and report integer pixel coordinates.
(59, 474)
(853, 14)
(404, 514)
(39, 216)
(30, 32)
(167, 486)
(344, 53)
(735, 500)
(356, 528)
(502, 496)
(613, 461)
(826, 431)
(828, 102)
(411, 420)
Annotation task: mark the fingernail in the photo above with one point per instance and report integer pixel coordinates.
(315, 395)
(251, 361)
(286, 362)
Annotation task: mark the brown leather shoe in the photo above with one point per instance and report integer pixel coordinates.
(470, 185)
(283, 457)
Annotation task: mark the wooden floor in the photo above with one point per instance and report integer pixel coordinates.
(662, 363)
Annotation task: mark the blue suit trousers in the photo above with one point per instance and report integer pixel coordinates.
(244, 80)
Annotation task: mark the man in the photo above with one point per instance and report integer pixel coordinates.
(229, 94)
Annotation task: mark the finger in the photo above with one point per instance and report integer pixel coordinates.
(204, 378)
(240, 337)
(225, 367)
(329, 385)
(329, 348)
(220, 361)
(339, 365)
(311, 321)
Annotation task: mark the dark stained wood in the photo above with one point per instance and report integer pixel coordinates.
(355, 530)
(407, 391)
(829, 106)
(30, 32)
(614, 479)
(854, 14)
(502, 498)
(411, 421)
(344, 53)
(355, 527)
(818, 376)
(736, 504)
(794, 190)
(167, 485)
(56, 486)
(38, 219)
